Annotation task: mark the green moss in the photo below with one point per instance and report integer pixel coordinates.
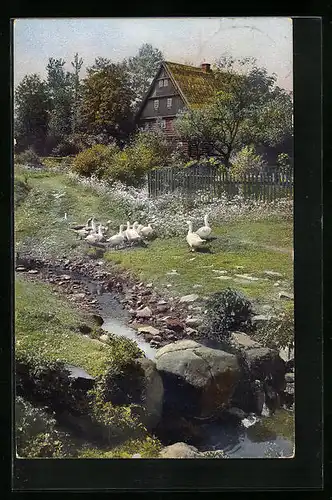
(147, 447)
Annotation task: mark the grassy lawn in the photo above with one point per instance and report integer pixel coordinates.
(153, 264)
(43, 326)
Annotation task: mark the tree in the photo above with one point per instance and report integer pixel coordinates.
(142, 69)
(106, 101)
(60, 86)
(77, 65)
(194, 126)
(248, 108)
(31, 113)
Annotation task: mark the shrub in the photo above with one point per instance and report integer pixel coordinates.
(247, 161)
(227, 311)
(278, 332)
(284, 163)
(65, 148)
(21, 191)
(36, 433)
(95, 160)
(28, 157)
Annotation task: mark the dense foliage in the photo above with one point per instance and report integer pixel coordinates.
(247, 161)
(227, 311)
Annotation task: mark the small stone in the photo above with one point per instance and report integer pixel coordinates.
(149, 285)
(104, 338)
(79, 296)
(247, 277)
(286, 295)
(193, 321)
(148, 329)
(189, 298)
(161, 302)
(190, 331)
(33, 271)
(277, 283)
(65, 277)
(162, 308)
(261, 318)
(144, 313)
(273, 273)
(175, 324)
(20, 269)
(168, 285)
(219, 271)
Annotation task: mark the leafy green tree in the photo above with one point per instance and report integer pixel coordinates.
(31, 113)
(194, 126)
(248, 108)
(142, 69)
(60, 86)
(106, 101)
(77, 64)
(247, 161)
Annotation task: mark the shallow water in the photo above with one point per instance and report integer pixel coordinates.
(240, 442)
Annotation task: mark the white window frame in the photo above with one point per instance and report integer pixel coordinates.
(161, 83)
(169, 102)
(156, 104)
(166, 82)
(163, 124)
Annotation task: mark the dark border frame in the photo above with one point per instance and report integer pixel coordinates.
(303, 472)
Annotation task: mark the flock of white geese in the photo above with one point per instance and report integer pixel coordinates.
(136, 233)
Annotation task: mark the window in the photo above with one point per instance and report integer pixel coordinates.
(156, 103)
(169, 102)
(163, 124)
(161, 83)
(165, 83)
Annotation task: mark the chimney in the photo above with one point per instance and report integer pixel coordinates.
(206, 67)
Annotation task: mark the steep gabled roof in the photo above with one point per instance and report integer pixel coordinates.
(195, 86)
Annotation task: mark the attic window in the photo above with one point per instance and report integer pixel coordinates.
(161, 83)
(165, 83)
(156, 103)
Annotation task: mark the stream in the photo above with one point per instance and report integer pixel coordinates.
(254, 437)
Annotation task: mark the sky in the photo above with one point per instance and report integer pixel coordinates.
(183, 40)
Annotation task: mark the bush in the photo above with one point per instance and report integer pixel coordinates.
(227, 311)
(21, 191)
(96, 161)
(28, 157)
(278, 332)
(65, 148)
(284, 163)
(247, 161)
(36, 433)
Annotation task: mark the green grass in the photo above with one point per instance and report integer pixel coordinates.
(43, 326)
(152, 264)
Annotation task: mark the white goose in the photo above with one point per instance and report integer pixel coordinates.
(95, 236)
(146, 231)
(132, 235)
(193, 240)
(126, 232)
(204, 231)
(138, 227)
(118, 238)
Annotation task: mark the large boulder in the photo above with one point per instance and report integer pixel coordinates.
(180, 450)
(266, 364)
(153, 393)
(198, 381)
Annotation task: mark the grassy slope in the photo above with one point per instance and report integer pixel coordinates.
(51, 336)
(40, 225)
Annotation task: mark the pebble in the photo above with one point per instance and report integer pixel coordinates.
(148, 329)
(189, 298)
(33, 271)
(273, 273)
(20, 269)
(286, 295)
(144, 313)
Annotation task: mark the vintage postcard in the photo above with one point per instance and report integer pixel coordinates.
(153, 192)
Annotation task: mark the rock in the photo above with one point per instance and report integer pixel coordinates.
(180, 450)
(277, 283)
(65, 277)
(190, 331)
(168, 285)
(104, 338)
(175, 324)
(161, 303)
(157, 338)
(33, 271)
(97, 319)
(242, 341)
(153, 392)
(189, 298)
(273, 273)
(198, 380)
(136, 455)
(85, 329)
(20, 269)
(193, 321)
(261, 319)
(79, 296)
(286, 295)
(247, 277)
(162, 308)
(290, 378)
(80, 378)
(266, 363)
(149, 285)
(148, 329)
(144, 313)
(237, 412)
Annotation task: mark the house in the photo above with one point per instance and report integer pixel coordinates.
(175, 87)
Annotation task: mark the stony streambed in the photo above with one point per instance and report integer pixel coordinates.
(136, 311)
